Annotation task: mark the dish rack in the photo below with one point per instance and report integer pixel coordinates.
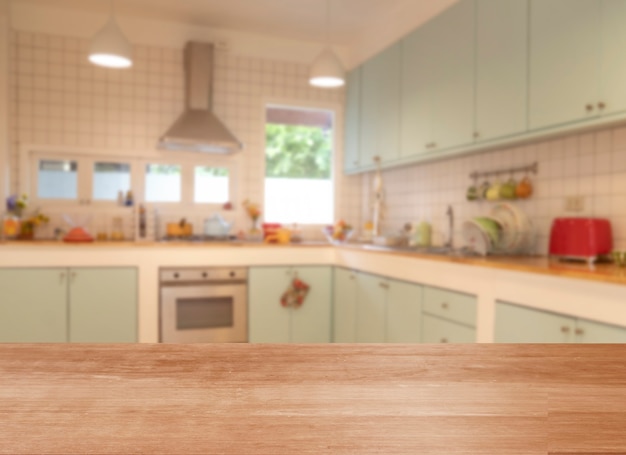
(507, 230)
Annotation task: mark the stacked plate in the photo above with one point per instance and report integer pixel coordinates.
(507, 231)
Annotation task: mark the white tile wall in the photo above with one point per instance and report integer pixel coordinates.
(58, 98)
(591, 165)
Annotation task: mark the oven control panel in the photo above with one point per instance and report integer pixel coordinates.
(200, 274)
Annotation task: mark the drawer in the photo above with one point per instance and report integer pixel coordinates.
(437, 330)
(450, 305)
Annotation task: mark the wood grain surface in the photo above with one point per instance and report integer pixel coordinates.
(312, 399)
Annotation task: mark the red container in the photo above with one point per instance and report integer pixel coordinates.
(270, 228)
(584, 238)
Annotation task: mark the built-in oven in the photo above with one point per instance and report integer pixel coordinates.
(203, 305)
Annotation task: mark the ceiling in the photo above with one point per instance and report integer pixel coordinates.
(289, 19)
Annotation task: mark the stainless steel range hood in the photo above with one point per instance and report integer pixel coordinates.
(198, 129)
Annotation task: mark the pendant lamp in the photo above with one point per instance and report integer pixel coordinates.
(326, 70)
(109, 47)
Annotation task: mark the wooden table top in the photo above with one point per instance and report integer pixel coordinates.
(312, 399)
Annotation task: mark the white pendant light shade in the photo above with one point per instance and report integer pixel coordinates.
(110, 48)
(327, 71)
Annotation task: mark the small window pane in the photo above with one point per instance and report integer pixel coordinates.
(211, 185)
(109, 179)
(57, 179)
(163, 183)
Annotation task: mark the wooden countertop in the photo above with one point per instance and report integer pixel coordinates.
(606, 272)
(312, 399)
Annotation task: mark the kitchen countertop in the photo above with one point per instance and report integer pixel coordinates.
(312, 399)
(603, 272)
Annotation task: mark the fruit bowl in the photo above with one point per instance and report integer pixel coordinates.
(337, 236)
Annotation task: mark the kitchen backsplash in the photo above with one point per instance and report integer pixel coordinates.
(59, 99)
(591, 165)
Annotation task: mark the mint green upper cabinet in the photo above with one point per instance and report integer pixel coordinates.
(270, 322)
(501, 68)
(380, 107)
(370, 315)
(613, 65)
(518, 324)
(345, 306)
(564, 61)
(404, 312)
(33, 305)
(437, 102)
(352, 124)
(103, 305)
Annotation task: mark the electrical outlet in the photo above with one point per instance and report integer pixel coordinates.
(574, 203)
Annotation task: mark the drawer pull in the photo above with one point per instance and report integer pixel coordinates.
(589, 107)
(445, 305)
(579, 332)
(565, 329)
(601, 105)
(444, 340)
(384, 285)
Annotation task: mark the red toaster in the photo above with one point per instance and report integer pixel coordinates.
(581, 238)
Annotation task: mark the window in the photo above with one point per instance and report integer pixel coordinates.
(57, 179)
(109, 179)
(298, 166)
(211, 185)
(163, 183)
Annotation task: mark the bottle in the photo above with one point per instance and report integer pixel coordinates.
(423, 234)
(129, 199)
(142, 221)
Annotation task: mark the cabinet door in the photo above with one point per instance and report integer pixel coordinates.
(437, 330)
(613, 65)
(268, 321)
(352, 124)
(380, 106)
(453, 63)
(417, 93)
(517, 324)
(597, 332)
(310, 323)
(33, 305)
(501, 68)
(344, 308)
(451, 305)
(103, 305)
(370, 314)
(564, 60)
(404, 312)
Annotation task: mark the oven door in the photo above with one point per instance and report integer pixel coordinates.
(215, 313)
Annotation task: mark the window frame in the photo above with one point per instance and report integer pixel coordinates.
(336, 111)
(86, 158)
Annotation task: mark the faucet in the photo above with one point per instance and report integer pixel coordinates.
(450, 214)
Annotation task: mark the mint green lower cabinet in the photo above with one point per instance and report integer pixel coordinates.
(103, 305)
(404, 312)
(33, 305)
(344, 305)
(57, 305)
(519, 324)
(270, 322)
(438, 330)
(597, 332)
(371, 309)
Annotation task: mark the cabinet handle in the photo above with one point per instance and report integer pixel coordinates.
(601, 105)
(445, 305)
(579, 332)
(476, 134)
(384, 285)
(565, 329)
(61, 277)
(444, 340)
(589, 107)
(72, 277)
(352, 277)
(376, 159)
